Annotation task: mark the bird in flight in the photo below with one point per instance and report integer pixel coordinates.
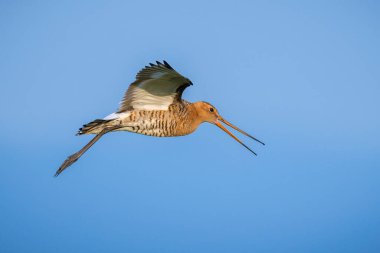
(153, 105)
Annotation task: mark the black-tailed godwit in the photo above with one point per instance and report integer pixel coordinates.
(153, 105)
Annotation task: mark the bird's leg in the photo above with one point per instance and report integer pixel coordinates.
(74, 157)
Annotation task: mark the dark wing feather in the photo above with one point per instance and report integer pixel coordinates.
(156, 87)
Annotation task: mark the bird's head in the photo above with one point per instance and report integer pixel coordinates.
(208, 113)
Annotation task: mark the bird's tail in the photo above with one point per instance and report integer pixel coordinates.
(94, 127)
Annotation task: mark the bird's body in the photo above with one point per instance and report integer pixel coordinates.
(153, 106)
(180, 119)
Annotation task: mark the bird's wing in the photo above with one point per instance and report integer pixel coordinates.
(156, 87)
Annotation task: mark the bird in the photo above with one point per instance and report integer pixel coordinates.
(153, 106)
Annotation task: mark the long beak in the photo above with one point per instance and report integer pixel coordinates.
(241, 131)
(233, 136)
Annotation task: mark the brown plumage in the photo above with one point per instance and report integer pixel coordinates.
(153, 105)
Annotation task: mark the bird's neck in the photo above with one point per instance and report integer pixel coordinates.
(187, 118)
(196, 116)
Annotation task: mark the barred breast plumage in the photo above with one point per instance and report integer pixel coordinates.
(178, 120)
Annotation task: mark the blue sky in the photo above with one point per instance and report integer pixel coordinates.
(302, 76)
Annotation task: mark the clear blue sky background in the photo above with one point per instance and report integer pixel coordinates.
(302, 76)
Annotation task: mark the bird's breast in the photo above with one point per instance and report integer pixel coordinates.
(159, 123)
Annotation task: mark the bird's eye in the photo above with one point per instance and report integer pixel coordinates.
(211, 109)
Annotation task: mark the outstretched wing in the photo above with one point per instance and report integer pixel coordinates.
(156, 87)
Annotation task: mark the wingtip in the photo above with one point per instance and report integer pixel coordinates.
(158, 63)
(167, 65)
